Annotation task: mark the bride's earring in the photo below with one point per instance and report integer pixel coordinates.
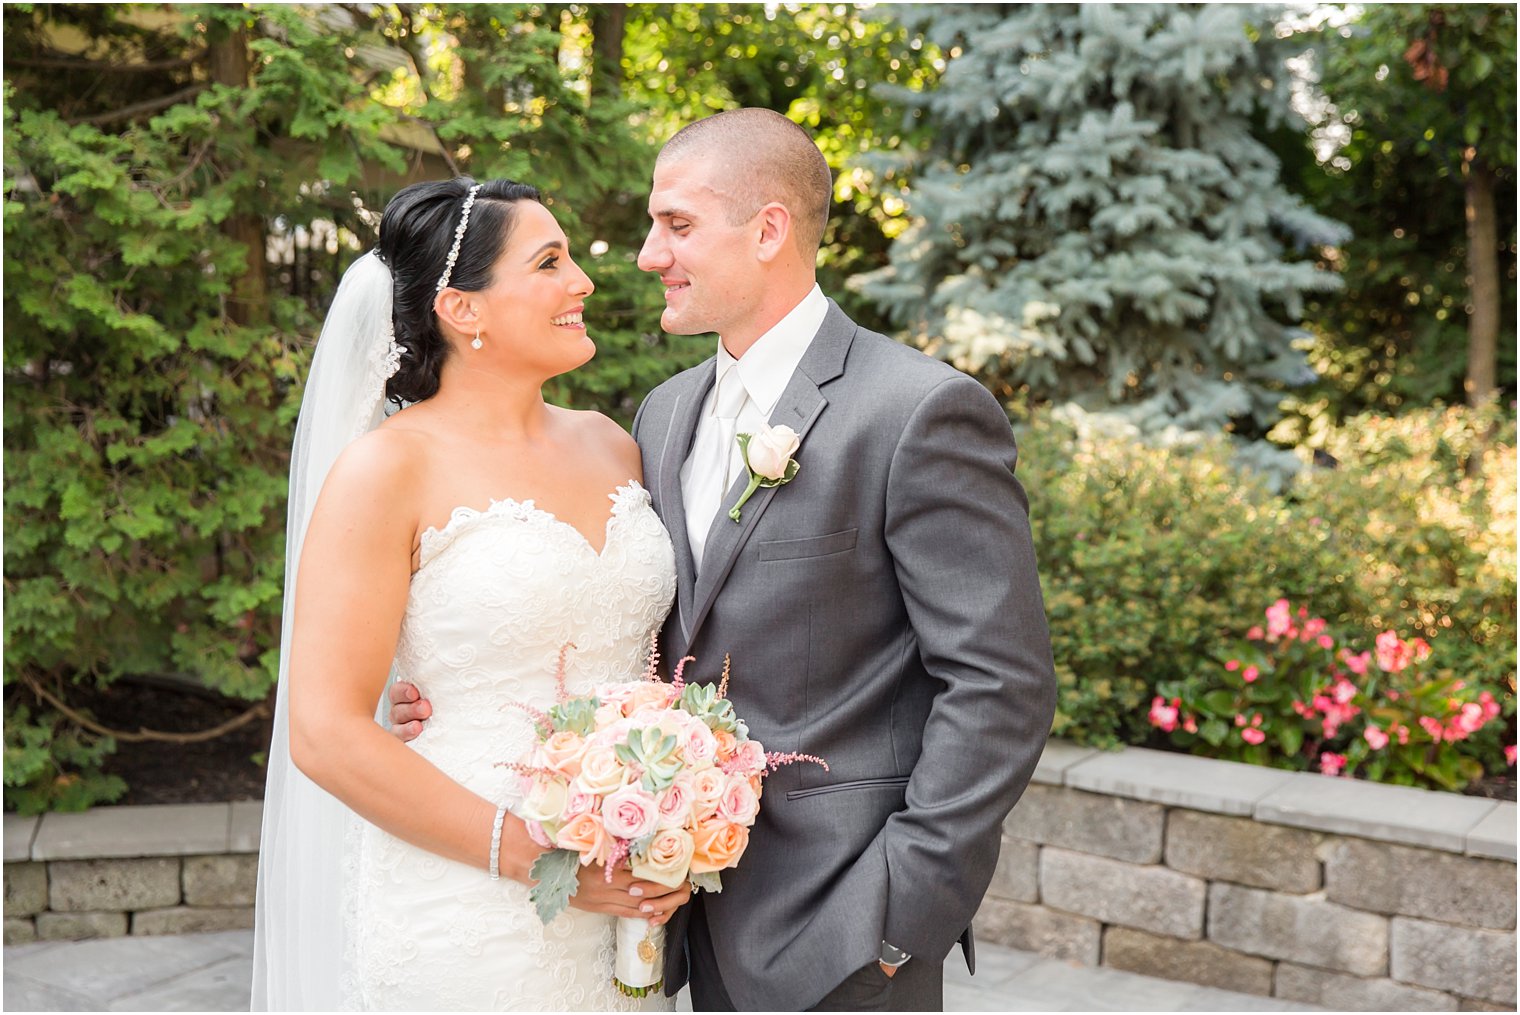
(477, 343)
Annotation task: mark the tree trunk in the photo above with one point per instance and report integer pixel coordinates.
(249, 305)
(1483, 280)
(607, 21)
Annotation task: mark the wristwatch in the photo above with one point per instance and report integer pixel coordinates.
(893, 956)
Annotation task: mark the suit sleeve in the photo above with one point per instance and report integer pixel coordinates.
(957, 526)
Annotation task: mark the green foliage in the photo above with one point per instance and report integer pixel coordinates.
(1151, 555)
(1096, 221)
(1392, 169)
(556, 875)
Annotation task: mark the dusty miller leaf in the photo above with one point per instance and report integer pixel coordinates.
(555, 871)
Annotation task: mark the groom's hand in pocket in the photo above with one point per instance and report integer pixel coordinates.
(409, 710)
(627, 896)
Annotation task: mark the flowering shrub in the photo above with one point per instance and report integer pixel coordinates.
(1291, 695)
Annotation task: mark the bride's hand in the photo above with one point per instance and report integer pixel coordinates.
(409, 710)
(628, 896)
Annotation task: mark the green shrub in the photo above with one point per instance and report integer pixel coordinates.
(1152, 558)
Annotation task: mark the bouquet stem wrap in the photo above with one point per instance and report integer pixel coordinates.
(639, 968)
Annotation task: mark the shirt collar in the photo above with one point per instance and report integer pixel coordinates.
(767, 366)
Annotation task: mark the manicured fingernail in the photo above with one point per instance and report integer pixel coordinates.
(646, 908)
(636, 892)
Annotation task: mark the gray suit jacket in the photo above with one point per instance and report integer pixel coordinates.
(882, 611)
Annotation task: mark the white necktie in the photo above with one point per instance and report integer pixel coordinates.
(712, 472)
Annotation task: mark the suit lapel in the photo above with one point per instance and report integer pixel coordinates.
(683, 428)
(799, 407)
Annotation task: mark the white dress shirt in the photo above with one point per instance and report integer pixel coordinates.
(765, 369)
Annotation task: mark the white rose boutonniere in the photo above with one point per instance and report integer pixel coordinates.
(768, 457)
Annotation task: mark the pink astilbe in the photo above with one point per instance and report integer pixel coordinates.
(723, 684)
(561, 692)
(615, 857)
(652, 671)
(678, 679)
(775, 759)
(540, 719)
(532, 771)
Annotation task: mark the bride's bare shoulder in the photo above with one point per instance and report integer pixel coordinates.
(606, 434)
(387, 460)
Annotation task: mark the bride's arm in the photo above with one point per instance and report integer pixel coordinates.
(351, 593)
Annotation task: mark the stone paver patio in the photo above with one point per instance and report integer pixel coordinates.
(210, 972)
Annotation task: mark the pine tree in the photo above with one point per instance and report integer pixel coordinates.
(1096, 221)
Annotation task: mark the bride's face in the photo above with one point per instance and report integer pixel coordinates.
(531, 315)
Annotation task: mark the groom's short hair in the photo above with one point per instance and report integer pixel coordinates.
(762, 157)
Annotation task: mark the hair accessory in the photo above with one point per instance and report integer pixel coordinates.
(501, 813)
(477, 343)
(464, 221)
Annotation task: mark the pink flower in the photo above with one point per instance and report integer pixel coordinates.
(749, 758)
(1344, 691)
(1249, 674)
(1189, 724)
(1431, 726)
(1401, 732)
(1490, 706)
(1313, 628)
(536, 833)
(738, 803)
(1376, 738)
(562, 752)
(1331, 764)
(1356, 662)
(1509, 755)
(1163, 716)
(1326, 642)
(1232, 665)
(630, 812)
(1252, 735)
(1279, 619)
(1470, 718)
(585, 834)
(675, 803)
(1255, 634)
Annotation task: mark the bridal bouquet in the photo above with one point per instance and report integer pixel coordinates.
(662, 777)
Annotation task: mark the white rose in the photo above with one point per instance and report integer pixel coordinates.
(770, 450)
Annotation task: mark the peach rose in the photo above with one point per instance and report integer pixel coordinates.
(667, 859)
(607, 713)
(738, 803)
(562, 752)
(585, 834)
(648, 695)
(718, 844)
(707, 788)
(601, 772)
(726, 744)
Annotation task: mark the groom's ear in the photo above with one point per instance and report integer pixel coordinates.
(775, 224)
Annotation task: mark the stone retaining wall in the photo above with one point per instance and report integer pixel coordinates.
(1333, 892)
(1336, 893)
(176, 869)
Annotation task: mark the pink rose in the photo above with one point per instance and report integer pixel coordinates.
(1376, 738)
(699, 744)
(749, 758)
(585, 834)
(771, 449)
(726, 744)
(738, 803)
(630, 812)
(562, 752)
(675, 803)
(538, 835)
(578, 801)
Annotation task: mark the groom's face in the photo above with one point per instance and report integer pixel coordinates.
(707, 264)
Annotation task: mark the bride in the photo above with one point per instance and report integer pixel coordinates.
(460, 544)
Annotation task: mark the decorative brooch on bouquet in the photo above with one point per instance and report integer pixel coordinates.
(661, 777)
(768, 458)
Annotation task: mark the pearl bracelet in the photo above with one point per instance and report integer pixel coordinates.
(501, 813)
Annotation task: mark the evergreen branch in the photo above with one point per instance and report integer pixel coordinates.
(139, 108)
(143, 734)
(104, 67)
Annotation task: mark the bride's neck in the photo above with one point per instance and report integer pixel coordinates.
(488, 402)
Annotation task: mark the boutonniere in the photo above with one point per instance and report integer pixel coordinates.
(768, 457)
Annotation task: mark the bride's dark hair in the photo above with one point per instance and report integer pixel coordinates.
(416, 234)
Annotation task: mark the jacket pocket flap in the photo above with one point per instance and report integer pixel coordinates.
(811, 546)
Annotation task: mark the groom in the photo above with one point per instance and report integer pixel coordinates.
(882, 609)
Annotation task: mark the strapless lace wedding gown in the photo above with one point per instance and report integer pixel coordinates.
(497, 593)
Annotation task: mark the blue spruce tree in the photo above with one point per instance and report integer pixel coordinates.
(1096, 221)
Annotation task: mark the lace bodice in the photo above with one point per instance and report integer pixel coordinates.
(497, 594)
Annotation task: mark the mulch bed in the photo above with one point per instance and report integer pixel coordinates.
(228, 767)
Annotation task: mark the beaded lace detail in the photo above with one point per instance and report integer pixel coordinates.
(496, 595)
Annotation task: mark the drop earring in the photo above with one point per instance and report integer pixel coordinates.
(477, 343)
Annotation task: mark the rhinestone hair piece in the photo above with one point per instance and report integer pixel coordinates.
(464, 221)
